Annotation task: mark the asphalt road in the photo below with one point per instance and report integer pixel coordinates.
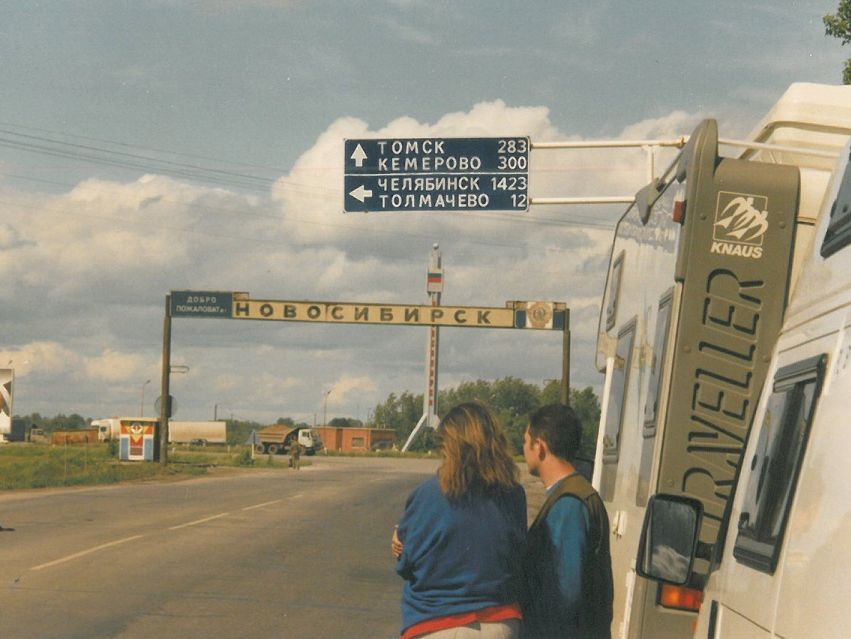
(259, 553)
(265, 553)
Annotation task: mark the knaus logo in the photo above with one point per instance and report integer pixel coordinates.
(740, 224)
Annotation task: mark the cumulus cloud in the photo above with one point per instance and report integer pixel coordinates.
(346, 386)
(315, 183)
(43, 356)
(112, 366)
(87, 271)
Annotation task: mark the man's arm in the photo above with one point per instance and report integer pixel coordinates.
(569, 523)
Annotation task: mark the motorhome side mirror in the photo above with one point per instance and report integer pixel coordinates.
(669, 538)
(647, 197)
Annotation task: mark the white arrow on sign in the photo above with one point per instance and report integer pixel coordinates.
(361, 193)
(359, 156)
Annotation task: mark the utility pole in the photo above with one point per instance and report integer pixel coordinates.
(325, 407)
(165, 397)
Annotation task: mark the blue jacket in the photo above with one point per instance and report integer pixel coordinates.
(460, 557)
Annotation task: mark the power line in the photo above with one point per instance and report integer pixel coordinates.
(118, 159)
(103, 156)
(128, 145)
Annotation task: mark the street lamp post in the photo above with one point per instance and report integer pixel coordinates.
(325, 407)
(142, 402)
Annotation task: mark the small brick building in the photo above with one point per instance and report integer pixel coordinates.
(355, 439)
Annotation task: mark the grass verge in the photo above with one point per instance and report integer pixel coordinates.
(43, 466)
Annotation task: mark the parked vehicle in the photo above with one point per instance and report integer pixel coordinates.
(17, 432)
(179, 432)
(108, 429)
(703, 403)
(279, 439)
(37, 436)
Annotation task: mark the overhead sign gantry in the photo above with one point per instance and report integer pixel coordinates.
(233, 305)
(536, 315)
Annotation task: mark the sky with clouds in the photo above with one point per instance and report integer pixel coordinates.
(160, 145)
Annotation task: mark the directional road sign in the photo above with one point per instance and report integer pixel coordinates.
(437, 174)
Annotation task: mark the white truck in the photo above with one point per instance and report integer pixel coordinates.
(179, 432)
(279, 439)
(109, 428)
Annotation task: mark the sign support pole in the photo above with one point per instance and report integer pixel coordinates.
(165, 404)
(565, 360)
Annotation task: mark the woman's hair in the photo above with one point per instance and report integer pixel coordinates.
(476, 457)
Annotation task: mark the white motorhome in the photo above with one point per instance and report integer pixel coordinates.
(712, 265)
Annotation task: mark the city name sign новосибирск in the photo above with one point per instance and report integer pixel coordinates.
(229, 305)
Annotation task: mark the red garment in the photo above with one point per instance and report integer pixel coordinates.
(485, 615)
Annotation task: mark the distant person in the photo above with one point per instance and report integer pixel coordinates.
(568, 567)
(295, 456)
(459, 544)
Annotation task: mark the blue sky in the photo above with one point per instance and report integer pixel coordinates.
(259, 94)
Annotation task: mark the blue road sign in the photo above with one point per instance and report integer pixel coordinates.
(201, 304)
(437, 174)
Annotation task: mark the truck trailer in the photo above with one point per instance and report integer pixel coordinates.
(179, 432)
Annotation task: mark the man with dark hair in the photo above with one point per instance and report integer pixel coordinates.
(568, 566)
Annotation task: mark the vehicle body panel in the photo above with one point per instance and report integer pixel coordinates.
(703, 414)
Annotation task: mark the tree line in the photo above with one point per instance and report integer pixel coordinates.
(512, 399)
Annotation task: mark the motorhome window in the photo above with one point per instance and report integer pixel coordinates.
(615, 409)
(614, 291)
(654, 388)
(776, 463)
(839, 229)
(660, 346)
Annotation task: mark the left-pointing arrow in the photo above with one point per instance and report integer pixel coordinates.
(361, 193)
(359, 156)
